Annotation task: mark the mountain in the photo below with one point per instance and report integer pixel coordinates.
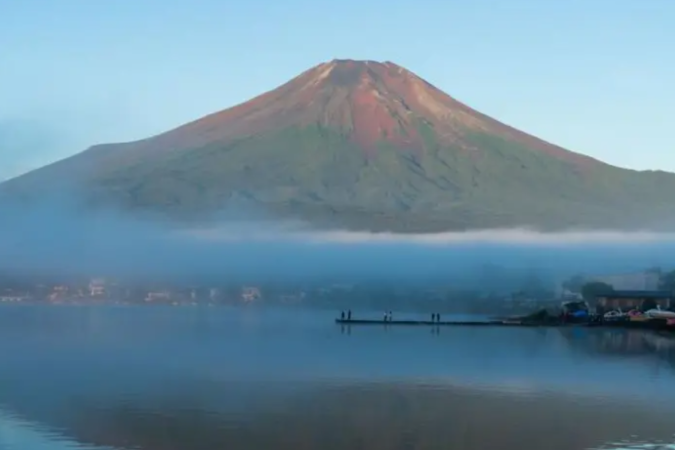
(366, 145)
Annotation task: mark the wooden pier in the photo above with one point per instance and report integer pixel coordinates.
(478, 323)
(655, 324)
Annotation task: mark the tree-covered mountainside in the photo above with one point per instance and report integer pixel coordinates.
(364, 145)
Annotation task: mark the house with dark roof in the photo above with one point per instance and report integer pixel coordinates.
(627, 300)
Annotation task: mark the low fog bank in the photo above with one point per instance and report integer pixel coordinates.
(291, 231)
(55, 236)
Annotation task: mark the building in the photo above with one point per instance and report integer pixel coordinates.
(647, 280)
(13, 298)
(627, 300)
(249, 294)
(155, 296)
(97, 287)
(59, 292)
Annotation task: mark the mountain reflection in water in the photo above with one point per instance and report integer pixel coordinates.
(177, 379)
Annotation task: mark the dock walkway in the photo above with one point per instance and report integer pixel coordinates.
(655, 324)
(432, 323)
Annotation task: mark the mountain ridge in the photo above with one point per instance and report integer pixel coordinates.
(366, 139)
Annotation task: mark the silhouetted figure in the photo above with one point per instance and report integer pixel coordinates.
(386, 316)
(433, 317)
(342, 315)
(438, 318)
(389, 316)
(349, 315)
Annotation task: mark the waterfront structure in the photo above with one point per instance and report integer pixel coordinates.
(647, 280)
(97, 287)
(637, 299)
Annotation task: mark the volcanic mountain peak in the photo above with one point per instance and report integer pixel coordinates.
(376, 102)
(382, 101)
(368, 102)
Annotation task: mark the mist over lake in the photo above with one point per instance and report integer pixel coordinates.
(58, 236)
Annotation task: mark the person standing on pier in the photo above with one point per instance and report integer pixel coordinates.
(349, 314)
(438, 318)
(342, 315)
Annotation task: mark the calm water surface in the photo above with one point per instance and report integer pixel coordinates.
(215, 378)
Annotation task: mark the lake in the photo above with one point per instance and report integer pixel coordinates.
(200, 378)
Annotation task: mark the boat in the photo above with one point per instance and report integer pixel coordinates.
(659, 313)
(615, 316)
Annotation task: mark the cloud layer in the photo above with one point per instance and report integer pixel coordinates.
(55, 236)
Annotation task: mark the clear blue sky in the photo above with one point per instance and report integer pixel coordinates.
(595, 76)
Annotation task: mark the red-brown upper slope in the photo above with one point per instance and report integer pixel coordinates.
(369, 101)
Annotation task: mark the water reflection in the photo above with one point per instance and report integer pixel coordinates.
(176, 379)
(364, 416)
(18, 434)
(650, 349)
